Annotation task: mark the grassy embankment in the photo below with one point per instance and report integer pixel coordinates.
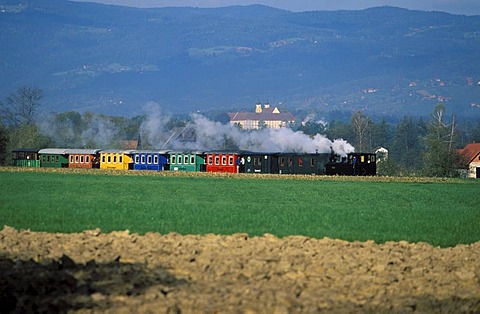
(440, 212)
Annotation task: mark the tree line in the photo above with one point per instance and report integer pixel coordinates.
(416, 145)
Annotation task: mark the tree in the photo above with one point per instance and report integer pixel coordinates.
(312, 128)
(440, 159)
(20, 107)
(338, 129)
(27, 136)
(407, 149)
(361, 126)
(3, 145)
(380, 134)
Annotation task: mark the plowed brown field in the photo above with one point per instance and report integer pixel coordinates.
(121, 272)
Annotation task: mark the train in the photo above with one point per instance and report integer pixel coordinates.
(354, 164)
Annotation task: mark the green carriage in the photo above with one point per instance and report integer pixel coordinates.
(53, 158)
(192, 161)
(26, 157)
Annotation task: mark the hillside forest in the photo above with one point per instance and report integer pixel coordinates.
(113, 59)
(417, 145)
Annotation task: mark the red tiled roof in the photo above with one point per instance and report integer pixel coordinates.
(133, 144)
(470, 152)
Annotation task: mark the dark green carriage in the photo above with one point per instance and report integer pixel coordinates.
(256, 162)
(26, 157)
(302, 163)
(285, 163)
(53, 158)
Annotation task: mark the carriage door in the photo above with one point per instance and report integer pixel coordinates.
(265, 164)
(478, 172)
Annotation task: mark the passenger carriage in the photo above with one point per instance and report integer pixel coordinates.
(259, 162)
(116, 159)
(83, 158)
(150, 160)
(190, 161)
(26, 157)
(53, 158)
(302, 163)
(223, 161)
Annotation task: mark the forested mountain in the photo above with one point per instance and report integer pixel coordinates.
(112, 59)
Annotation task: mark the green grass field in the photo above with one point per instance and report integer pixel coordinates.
(440, 212)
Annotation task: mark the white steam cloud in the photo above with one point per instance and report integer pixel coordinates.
(211, 135)
(214, 135)
(200, 134)
(153, 128)
(90, 131)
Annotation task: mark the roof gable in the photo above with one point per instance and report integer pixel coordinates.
(470, 152)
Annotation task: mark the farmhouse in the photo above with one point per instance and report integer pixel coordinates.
(471, 159)
(266, 116)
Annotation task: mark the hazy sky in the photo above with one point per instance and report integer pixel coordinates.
(469, 7)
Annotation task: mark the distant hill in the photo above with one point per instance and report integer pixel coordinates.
(112, 59)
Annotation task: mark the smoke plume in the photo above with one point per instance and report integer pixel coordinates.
(211, 135)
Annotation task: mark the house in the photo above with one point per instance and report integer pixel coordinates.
(130, 144)
(471, 158)
(263, 116)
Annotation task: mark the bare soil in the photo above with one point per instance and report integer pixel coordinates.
(121, 272)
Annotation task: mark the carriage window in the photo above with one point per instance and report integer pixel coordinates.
(155, 159)
(81, 159)
(257, 161)
(56, 158)
(192, 159)
(179, 160)
(210, 160)
(114, 158)
(372, 158)
(312, 162)
(109, 159)
(120, 159)
(224, 160)
(174, 159)
(76, 159)
(230, 160)
(143, 159)
(137, 159)
(282, 161)
(217, 160)
(71, 159)
(185, 159)
(290, 161)
(103, 158)
(300, 161)
(149, 159)
(87, 159)
(362, 158)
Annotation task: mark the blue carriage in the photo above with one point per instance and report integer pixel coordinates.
(150, 160)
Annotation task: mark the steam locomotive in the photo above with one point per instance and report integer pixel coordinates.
(359, 164)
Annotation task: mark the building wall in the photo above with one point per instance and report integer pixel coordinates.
(254, 124)
(472, 170)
